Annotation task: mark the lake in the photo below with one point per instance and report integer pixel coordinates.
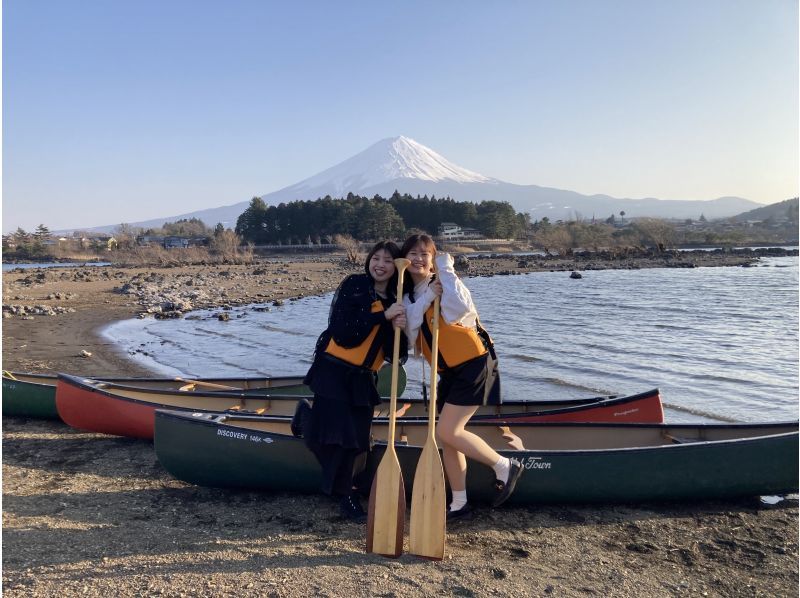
(720, 343)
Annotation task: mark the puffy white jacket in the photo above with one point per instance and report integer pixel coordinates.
(456, 304)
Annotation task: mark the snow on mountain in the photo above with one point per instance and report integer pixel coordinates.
(387, 160)
(402, 164)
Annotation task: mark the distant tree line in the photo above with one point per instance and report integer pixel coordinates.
(655, 233)
(29, 244)
(372, 218)
(186, 227)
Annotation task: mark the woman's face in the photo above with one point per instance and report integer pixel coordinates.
(421, 260)
(381, 266)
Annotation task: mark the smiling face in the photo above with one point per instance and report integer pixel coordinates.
(421, 258)
(381, 266)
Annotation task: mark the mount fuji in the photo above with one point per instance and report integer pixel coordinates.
(402, 164)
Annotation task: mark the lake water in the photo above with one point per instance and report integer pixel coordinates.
(720, 343)
(29, 265)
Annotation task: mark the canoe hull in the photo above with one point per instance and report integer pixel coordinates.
(25, 398)
(91, 405)
(644, 408)
(99, 412)
(195, 450)
(34, 395)
(747, 467)
(200, 450)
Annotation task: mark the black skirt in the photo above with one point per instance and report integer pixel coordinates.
(338, 427)
(476, 382)
(344, 400)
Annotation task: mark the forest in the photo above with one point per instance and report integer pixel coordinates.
(367, 219)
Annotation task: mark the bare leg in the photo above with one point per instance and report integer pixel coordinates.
(455, 465)
(458, 443)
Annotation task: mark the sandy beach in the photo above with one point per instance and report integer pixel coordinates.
(94, 515)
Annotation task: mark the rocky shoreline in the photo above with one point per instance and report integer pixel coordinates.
(170, 292)
(93, 515)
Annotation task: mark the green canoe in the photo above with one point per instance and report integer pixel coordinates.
(29, 395)
(34, 395)
(563, 462)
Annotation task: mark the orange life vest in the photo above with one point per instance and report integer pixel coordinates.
(369, 354)
(457, 344)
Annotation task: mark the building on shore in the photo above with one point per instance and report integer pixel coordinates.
(450, 231)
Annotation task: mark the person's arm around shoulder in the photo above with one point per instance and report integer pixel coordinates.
(415, 312)
(456, 305)
(351, 318)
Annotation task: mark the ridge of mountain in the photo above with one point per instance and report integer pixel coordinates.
(782, 210)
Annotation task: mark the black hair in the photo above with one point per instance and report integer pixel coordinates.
(413, 240)
(392, 249)
(419, 239)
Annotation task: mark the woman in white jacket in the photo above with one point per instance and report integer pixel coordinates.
(467, 368)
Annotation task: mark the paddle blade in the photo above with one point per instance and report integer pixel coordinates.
(387, 508)
(385, 381)
(428, 505)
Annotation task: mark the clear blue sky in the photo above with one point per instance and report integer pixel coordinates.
(116, 111)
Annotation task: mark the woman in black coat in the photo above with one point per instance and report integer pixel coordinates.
(343, 377)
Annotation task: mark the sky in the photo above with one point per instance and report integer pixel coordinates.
(123, 111)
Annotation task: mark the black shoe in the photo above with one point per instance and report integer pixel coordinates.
(351, 509)
(463, 513)
(504, 489)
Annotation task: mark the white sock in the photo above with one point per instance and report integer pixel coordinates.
(459, 500)
(502, 469)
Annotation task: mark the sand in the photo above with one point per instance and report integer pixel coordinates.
(88, 514)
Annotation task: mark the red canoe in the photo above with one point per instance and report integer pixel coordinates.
(110, 408)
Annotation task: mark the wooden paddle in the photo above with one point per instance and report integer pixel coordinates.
(387, 500)
(428, 501)
(206, 384)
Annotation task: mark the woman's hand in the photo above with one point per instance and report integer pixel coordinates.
(400, 321)
(436, 287)
(395, 310)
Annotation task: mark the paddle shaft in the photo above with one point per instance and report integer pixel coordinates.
(207, 384)
(434, 368)
(401, 264)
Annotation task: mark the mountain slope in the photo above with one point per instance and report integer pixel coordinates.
(783, 210)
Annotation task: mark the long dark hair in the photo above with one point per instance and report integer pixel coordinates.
(419, 239)
(392, 249)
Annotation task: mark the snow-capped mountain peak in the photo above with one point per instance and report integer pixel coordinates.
(387, 160)
(401, 164)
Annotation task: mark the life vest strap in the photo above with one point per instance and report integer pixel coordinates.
(428, 334)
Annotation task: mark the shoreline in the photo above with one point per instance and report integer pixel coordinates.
(96, 515)
(79, 301)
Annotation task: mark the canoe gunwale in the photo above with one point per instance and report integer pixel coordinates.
(85, 383)
(218, 419)
(37, 384)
